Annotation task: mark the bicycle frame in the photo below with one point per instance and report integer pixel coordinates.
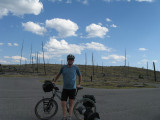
(55, 93)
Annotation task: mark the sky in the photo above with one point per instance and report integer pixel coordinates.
(104, 28)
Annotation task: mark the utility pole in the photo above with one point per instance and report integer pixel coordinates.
(85, 64)
(31, 55)
(147, 69)
(37, 62)
(155, 78)
(92, 63)
(125, 58)
(21, 54)
(102, 67)
(43, 59)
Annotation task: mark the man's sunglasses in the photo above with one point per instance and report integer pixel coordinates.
(70, 59)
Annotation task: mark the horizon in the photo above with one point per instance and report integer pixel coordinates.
(80, 65)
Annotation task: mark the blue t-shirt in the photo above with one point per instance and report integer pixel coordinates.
(69, 76)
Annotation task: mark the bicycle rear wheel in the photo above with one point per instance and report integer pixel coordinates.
(46, 108)
(78, 104)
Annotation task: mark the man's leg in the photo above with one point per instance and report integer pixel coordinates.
(64, 108)
(71, 103)
(64, 97)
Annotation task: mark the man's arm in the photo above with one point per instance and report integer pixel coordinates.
(55, 79)
(57, 76)
(80, 79)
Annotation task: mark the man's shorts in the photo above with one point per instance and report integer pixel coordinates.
(71, 93)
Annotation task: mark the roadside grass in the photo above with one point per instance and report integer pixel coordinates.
(108, 85)
(117, 77)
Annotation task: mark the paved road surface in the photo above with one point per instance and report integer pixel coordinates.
(18, 97)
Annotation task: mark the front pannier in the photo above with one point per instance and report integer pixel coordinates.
(88, 103)
(47, 86)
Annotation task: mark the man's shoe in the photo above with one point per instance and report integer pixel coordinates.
(64, 118)
(69, 118)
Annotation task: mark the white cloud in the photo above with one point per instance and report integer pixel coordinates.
(144, 0)
(66, 28)
(69, 1)
(100, 23)
(142, 49)
(3, 61)
(20, 7)
(114, 57)
(16, 58)
(58, 48)
(156, 61)
(113, 62)
(15, 44)
(6, 57)
(144, 61)
(85, 2)
(66, 1)
(122, 0)
(1, 43)
(34, 28)
(97, 46)
(56, 0)
(113, 25)
(108, 20)
(54, 48)
(3, 12)
(94, 30)
(47, 55)
(9, 44)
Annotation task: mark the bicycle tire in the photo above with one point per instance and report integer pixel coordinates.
(80, 102)
(52, 105)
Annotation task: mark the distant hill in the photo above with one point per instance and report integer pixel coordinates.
(117, 76)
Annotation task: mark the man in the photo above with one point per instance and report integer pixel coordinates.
(69, 73)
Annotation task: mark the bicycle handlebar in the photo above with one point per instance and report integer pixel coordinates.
(79, 88)
(56, 88)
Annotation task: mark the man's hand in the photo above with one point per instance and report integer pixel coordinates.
(53, 81)
(78, 86)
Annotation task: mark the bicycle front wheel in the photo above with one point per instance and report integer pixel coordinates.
(46, 108)
(80, 103)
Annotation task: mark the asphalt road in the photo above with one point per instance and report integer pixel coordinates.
(18, 97)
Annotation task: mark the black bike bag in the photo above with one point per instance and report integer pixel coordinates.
(47, 86)
(87, 103)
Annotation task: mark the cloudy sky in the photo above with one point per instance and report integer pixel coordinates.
(102, 27)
